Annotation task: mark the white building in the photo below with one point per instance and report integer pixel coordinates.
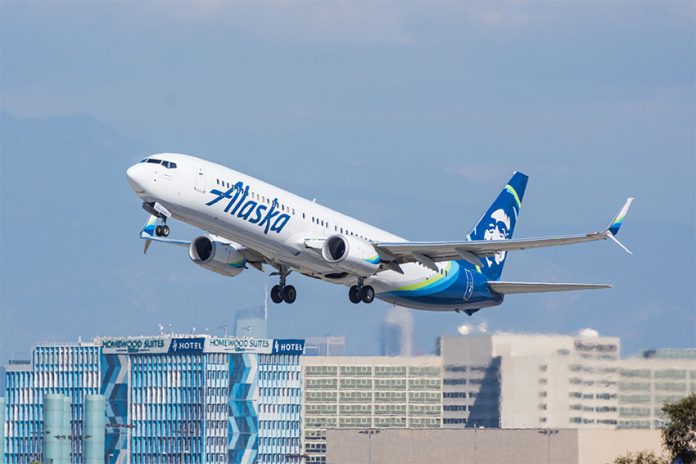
(367, 392)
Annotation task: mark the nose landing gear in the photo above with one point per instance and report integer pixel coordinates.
(282, 292)
(360, 292)
(162, 231)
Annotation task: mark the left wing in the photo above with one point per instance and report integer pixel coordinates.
(428, 253)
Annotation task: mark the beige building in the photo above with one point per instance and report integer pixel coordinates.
(649, 381)
(487, 446)
(524, 381)
(367, 392)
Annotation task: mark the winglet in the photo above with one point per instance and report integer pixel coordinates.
(619, 219)
(615, 225)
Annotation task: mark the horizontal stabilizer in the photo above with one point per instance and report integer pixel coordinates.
(507, 288)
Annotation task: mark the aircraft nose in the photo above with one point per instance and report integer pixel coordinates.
(137, 177)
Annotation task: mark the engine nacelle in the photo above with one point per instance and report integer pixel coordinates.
(351, 254)
(216, 256)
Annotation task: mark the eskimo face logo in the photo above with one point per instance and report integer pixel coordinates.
(498, 229)
(269, 219)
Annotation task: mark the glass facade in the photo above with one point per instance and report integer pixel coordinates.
(168, 400)
(70, 370)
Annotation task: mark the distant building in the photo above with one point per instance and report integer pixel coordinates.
(649, 381)
(325, 346)
(397, 332)
(522, 381)
(367, 392)
(488, 446)
(251, 322)
(190, 399)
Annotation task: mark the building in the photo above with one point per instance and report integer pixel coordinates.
(251, 322)
(72, 370)
(367, 392)
(649, 381)
(487, 446)
(397, 332)
(525, 381)
(325, 346)
(185, 399)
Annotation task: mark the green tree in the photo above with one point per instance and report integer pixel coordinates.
(641, 457)
(679, 431)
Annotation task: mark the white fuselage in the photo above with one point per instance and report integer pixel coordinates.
(186, 191)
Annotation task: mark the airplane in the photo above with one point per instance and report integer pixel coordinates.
(251, 223)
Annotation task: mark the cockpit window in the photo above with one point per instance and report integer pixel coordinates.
(166, 164)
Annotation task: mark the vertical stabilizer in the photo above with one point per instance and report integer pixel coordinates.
(498, 223)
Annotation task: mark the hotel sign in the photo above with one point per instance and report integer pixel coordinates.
(198, 345)
(134, 345)
(238, 345)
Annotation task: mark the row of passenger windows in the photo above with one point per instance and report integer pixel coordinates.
(166, 164)
(289, 210)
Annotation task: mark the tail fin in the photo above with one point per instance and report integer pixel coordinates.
(498, 223)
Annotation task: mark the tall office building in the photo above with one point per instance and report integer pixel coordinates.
(251, 322)
(397, 332)
(325, 346)
(367, 392)
(649, 381)
(70, 370)
(184, 399)
(522, 381)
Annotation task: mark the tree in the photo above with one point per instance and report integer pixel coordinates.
(679, 431)
(641, 457)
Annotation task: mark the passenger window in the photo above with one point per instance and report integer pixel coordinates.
(303, 216)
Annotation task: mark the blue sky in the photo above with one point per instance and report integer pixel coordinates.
(410, 116)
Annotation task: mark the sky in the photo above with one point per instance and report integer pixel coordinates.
(408, 115)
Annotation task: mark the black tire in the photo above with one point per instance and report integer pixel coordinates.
(165, 231)
(354, 294)
(158, 231)
(367, 295)
(289, 294)
(276, 294)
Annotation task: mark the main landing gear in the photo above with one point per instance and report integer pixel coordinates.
(360, 292)
(282, 292)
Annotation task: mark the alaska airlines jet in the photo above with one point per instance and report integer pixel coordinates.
(250, 223)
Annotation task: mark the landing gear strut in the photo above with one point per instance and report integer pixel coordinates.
(282, 292)
(360, 292)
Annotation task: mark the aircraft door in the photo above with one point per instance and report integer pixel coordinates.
(200, 179)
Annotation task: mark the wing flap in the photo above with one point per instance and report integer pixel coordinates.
(507, 288)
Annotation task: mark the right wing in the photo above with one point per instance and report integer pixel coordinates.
(148, 234)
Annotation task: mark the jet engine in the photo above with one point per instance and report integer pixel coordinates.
(351, 254)
(217, 256)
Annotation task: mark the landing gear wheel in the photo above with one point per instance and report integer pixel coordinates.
(367, 294)
(289, 294)
(162, 231)
(276, 294)
(354, 294)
